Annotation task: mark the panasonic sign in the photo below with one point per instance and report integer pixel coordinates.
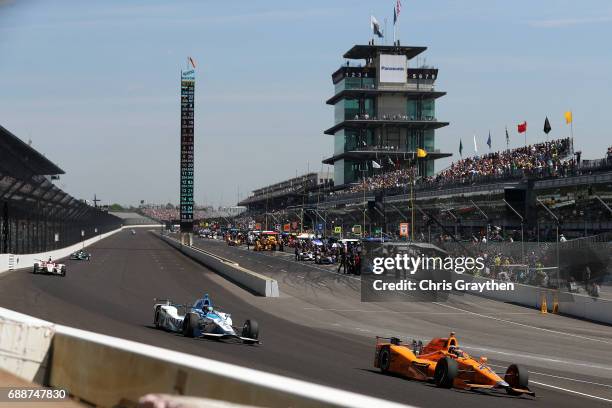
(393, 68)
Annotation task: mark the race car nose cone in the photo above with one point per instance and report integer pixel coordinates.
(502, 384)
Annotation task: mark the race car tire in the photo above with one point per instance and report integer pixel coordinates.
(35, 270)
(190, 324)
(250, 329)
(156, 318)
(517, 377)
(445, 373)
(384, 359)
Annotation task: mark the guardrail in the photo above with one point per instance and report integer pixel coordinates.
(253, 281)
(20, 261)
(107, 371)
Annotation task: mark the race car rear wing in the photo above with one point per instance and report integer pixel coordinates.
(169, 302)
(393, 340)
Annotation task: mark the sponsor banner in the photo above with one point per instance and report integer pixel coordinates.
(294, 225)
(338, 230)
(404, 229)
(258, 226)
(356, 229)
(286, 227)
(393, 69)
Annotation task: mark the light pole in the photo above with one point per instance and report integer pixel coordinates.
(522, 229)
(486, 218)
(557, 221)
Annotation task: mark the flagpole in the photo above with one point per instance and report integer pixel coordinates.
(571, 128)
(525, 132)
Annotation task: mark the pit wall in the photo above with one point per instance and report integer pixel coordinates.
(570, 304)
(19, 261)
(254, 282)
(107, 371)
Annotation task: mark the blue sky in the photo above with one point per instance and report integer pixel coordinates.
(94, 84)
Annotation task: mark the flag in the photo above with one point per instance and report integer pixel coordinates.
(192, 62)
(375, 25)
(568, 117)
(522, 127)
(460, 148)
(489, 140)
(421, 153)
(507, 136)
(547, 127)
(396, 11)
(375, 164)
(475, 145)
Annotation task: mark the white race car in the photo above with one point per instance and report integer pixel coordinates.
(306, 256)
(202, 320)
(49, 267)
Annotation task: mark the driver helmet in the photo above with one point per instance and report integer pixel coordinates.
(455, 350)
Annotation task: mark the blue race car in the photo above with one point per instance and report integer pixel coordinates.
(202, 320)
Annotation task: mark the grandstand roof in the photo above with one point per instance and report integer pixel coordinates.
(357, 92)
(374, 123)
(20, 159)
(379, 154)
(370, 51)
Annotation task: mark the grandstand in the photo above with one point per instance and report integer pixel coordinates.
(467, 199)
(35, 215)
(132, 218)
(287, 193)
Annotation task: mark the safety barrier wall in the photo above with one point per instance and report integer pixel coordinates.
(255, 282)
(104, 371)
(20, 261)
(571, 304)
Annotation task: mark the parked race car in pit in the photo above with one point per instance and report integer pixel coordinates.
(445, 364)
(80, 255)
(203, 320)
(324, 260)
(49, 267)
(306, 256)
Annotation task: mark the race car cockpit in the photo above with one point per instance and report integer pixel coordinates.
(205, 304)
(457, 352)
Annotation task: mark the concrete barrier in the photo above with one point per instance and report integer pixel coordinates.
(253, 281)
(106, 371)
(570, 304)
(19, 261)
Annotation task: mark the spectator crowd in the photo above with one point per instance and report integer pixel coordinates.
(542, 159)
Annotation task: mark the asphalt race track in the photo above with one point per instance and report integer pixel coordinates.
(317, 330)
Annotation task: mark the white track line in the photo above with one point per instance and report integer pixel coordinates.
(560, 377)
(525, 325)
(572, 391)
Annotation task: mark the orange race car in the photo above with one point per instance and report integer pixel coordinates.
(444, 363)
